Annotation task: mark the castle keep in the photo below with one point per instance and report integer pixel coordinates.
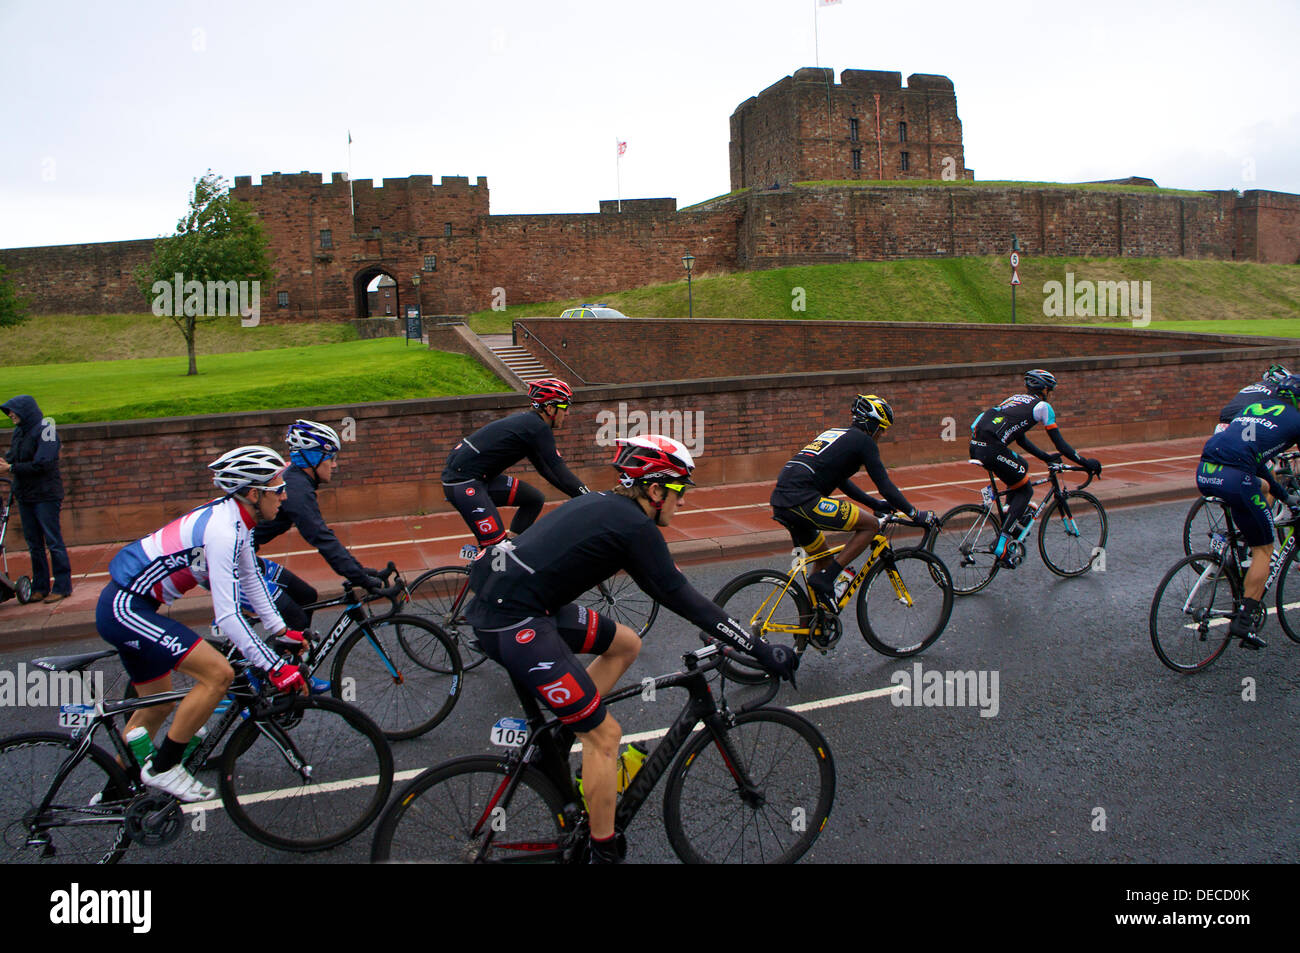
(804, 154)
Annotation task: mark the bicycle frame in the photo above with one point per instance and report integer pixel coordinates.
(993, 497)
(543, 750)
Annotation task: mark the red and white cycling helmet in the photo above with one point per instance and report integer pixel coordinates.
(549, 390)
(653, 458)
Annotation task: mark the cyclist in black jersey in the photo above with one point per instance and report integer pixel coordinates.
(524, 615)
(801, 500)
(474, 483)
(996, 427)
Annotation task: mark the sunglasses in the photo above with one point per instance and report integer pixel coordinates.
(679, 488)
(277, 490)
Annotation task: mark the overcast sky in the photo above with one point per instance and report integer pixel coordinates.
(111, 110)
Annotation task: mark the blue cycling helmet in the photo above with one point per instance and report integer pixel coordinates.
(311, 442)
(1289, 389)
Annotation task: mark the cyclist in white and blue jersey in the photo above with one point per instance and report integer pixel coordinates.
(208, 546)
(1233, 464)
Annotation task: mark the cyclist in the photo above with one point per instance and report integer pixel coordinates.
(524, 615)
(1262, 389)
(313, 452)
(996, 427)
(1233, 463)
(208, 546)
(474, 483)
(802, 504)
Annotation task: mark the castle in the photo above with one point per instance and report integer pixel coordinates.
(803, 155)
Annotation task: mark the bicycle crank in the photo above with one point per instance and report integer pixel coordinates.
(154, 819)
(826, 630)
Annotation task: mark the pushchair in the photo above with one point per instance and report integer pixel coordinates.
(22, 586)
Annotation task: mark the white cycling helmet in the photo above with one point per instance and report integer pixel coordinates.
(309, 435)
(246, 467)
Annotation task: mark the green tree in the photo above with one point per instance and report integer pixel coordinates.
(213, 266)
(13, 307)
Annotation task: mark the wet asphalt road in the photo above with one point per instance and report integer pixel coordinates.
(1096, 753)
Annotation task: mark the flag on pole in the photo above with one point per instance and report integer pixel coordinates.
(622, 147)
(827, 3)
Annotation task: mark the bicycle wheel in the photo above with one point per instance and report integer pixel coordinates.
(310, 773)
(965, 541)
(763, 601)
(1191, 610)
(1204, 521)
(623, 601)
(764, 801)
(1288, 581)
(440, 595)
(1073, 537)
(72, 830)
(445, 814)
(375, 669)
(904, 602)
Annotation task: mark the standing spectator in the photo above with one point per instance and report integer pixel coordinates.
(33, 463)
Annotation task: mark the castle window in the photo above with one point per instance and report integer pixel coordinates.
(326, 238)
(857, 159)
(902, 161)
(902, 132)
(282, 299)
(430, 262)
(853, 130)
(446, 230)
(374, 231)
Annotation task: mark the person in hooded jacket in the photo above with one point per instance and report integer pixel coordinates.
(32, 463)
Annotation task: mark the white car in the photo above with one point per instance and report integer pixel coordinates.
(593, 311)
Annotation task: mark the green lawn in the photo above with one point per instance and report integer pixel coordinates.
(64, 338)
(1267, 327)
(949, 289)
(347, 373)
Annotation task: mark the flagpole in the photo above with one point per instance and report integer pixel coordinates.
(816, 39)
(618, 172)
(352, 201)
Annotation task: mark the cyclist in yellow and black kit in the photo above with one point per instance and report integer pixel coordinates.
(996, 427)
(801, 501)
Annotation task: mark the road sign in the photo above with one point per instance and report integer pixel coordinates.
(1015, 260)
(1015, 278)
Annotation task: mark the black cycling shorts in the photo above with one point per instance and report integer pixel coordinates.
(806, 521)
(1000, 460)
(477, 503)
(539, 652)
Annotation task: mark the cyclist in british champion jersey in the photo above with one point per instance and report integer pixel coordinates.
(473, 480)
(801, 500)
(525, 617)
(1233, 463)
(996, 427)
(208, 546)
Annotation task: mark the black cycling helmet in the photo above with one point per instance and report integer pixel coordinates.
(1276, 374)
(1038, 379)
(872, 412)
(1289, 389)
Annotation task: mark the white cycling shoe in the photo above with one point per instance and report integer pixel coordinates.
(177, 782)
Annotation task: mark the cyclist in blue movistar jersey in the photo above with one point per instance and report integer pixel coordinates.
(1233, 463)
(473, 480)
(208, 546)
(996, 427)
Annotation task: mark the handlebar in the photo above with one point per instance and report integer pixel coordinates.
(1067, 467)
(397, 593)
(712, 656)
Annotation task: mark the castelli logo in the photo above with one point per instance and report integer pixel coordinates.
(470, 491)
(524, 636)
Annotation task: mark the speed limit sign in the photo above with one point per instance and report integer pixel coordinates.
(1015, 260)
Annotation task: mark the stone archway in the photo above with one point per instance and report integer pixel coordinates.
(366, 305)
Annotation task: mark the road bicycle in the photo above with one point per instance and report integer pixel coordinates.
(904, 599)
(1196, 600)
(300, 773)
(404, 671)
(440, 596)
(753, 786)
(1071, 532)
(1205, 520)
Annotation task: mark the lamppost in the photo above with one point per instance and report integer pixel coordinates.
(688, 260)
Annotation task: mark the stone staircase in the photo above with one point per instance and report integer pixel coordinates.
(522, 364)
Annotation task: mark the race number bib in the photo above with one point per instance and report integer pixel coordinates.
(510, 732)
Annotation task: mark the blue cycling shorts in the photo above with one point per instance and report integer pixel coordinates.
(1244, 494)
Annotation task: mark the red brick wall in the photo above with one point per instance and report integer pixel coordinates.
(1272, 232)
(126, 479)
(620, 352)
(96, 278)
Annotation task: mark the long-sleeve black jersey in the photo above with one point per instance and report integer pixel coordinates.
(582, 543)
(1011, 419)
(1251, 393)
(300, 508)
(827, 463)
(488, 451)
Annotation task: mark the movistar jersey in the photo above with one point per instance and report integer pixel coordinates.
(1259, 433)
(1258, 391)
(208, 546)
(488, 451)
(826, 465)
(1011, 418)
